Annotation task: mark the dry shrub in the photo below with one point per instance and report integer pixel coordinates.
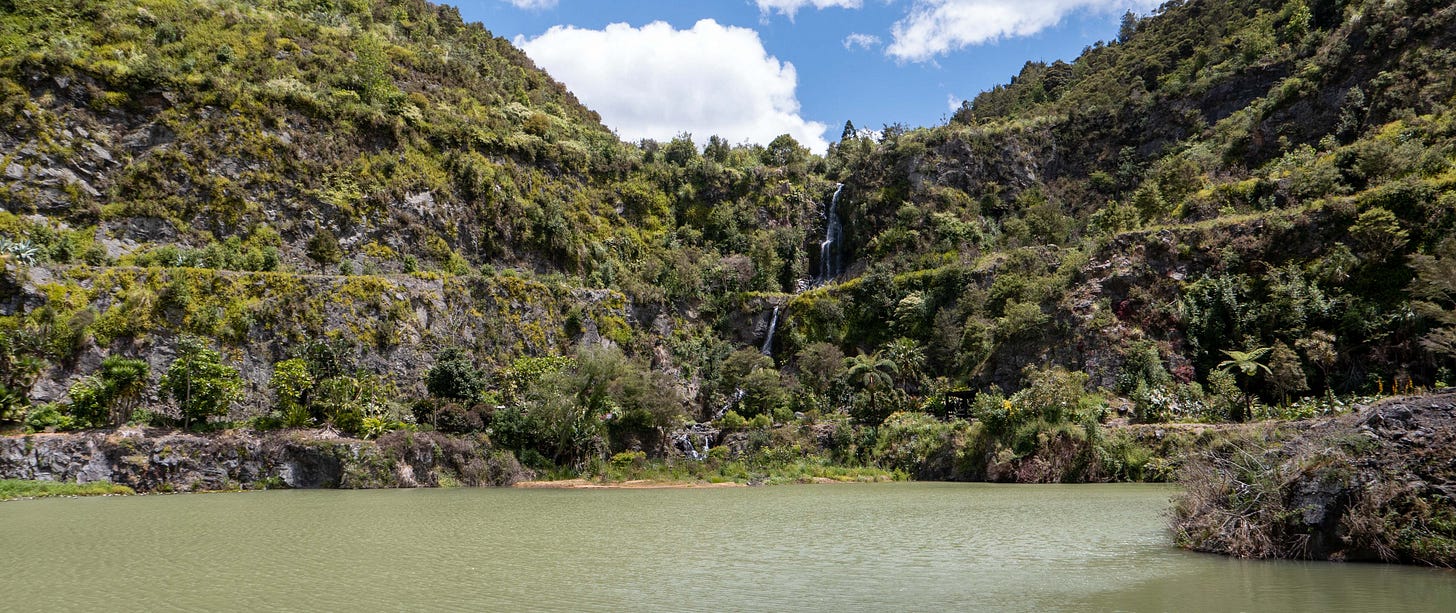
(1233, 503)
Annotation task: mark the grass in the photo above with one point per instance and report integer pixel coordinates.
(803, 470)
(13, 489)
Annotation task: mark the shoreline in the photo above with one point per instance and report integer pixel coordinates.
(633, 484)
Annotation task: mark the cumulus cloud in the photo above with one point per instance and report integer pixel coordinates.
(657, 81)
(789, 7)
(862, 41)
(937, 27)
(533, 5)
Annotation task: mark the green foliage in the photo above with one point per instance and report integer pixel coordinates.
(1435, 289)
(324, 248)
(731, 421)
(454, 377)
(200, 383)
(1246, 365)
(1378, 234)
(1286, 372)
(12, 489)
(291, 382)
(1056, 395)
(107, 398)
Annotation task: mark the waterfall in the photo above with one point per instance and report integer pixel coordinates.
(833, 232)
(733, 400)
(685, 444)
(772, 325)
(688, 440)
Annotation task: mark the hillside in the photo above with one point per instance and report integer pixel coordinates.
(383, 218)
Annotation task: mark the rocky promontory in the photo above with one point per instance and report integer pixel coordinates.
(1378, 484)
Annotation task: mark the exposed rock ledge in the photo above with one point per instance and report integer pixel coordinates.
(152, 461)
(1378, 484)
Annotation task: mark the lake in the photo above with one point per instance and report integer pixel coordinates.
(878, 547)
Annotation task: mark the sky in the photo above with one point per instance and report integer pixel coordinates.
(750, 70)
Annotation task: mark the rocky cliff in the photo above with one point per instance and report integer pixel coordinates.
(157, 461)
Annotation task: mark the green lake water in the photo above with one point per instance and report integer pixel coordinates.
(882, 547)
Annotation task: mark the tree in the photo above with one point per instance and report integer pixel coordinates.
(909, 360)
(200, 383)
(820, 364)
(870, 373)
(1128, 27)
(125, 381)
(763, 392)
(1246, 365)
(88, 403)
(371, 70)
(324, 249)
(1319, 348)
(1435, 291)
(109, 397)
(1378, 234)
(784, 151)
(291, 383)
(1286, 373)
(849, 132)
(1142, 365)
(717, 149)
(454, 376)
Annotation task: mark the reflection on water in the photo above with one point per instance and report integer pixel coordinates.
(926, 547)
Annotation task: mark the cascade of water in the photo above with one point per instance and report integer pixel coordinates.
(732, 401)
(772, 325)
(833, 231)
(685, 444)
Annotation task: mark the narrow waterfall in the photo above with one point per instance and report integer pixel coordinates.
(695, 441)
(773, 324)
(733, 401)
(833, 232)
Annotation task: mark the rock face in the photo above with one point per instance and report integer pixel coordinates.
(167, 461)
(394, 321)
(1375, 485)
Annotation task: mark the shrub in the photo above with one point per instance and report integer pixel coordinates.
(48, 418)
(291, 382)
(1055, 394)
(201, 384)
(732, 421)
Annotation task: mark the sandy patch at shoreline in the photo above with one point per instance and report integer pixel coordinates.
(641, 484)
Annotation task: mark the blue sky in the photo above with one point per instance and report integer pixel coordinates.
(752, 69)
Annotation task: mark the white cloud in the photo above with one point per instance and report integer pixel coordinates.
(863, 41)
(789, 7)
(937, 27)
(953, 103)
(533, 5)
(657, 81)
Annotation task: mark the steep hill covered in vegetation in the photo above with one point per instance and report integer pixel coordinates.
(373, 216)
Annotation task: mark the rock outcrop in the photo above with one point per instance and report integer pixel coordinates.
(1377, 484)
(152, 461)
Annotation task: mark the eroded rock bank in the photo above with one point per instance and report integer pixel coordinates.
(1378, 484)
(161, 461)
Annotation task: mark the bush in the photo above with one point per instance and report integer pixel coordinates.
(918, 444)
(1056, 395)
(201, 384)
(732, 421)
(48, 418)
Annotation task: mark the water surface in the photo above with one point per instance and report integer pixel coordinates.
(883, 547)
